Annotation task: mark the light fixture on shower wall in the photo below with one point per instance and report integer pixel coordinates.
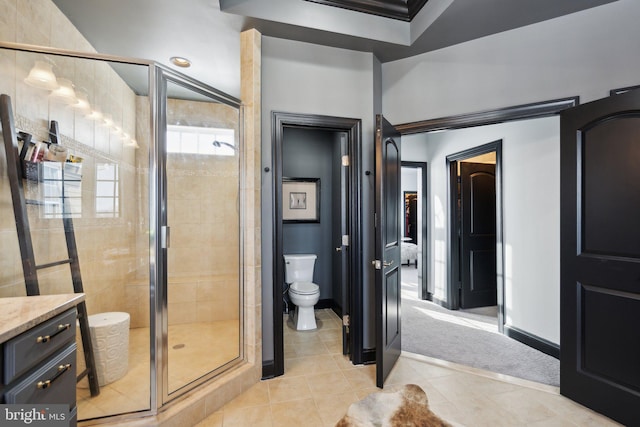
(82, 103)
(65, 92)
(107, 119)
(41, 76)
(95, 114)
(180, 61)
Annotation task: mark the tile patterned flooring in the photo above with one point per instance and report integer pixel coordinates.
(320, 383)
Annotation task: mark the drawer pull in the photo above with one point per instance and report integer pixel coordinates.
(47, 338)
(47, 383)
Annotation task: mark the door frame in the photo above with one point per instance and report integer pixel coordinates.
(423, 289)
(489, 117)
(353, 128)
(453, 254)
(159, 224)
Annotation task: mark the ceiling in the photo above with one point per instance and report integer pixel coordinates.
(207, 31)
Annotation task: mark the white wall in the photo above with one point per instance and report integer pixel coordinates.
(531, 223)
(310, 79)
(409, 178)
(586, 53)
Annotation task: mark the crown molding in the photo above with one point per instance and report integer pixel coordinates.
(404, 10)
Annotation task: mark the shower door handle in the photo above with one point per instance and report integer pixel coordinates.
(165, 237)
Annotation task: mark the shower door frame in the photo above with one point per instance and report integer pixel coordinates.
(159, 77)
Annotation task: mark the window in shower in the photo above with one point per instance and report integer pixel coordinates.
(200, 140)
(62, 189)
(107, 190)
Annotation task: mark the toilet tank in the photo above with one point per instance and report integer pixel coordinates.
(299, 267)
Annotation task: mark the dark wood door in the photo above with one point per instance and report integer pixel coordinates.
(387, 262)
(478, 278)
(600, 256)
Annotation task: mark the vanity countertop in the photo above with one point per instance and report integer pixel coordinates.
(19, 314)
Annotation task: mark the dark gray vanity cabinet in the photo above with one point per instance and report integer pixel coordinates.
(39, 365)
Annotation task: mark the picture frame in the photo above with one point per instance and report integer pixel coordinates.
(300, 200)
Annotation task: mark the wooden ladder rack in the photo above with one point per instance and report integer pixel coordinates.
(15, 173)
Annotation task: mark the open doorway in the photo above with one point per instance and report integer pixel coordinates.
(330, 225)
(475, 207)
(526, 259)
(413, 206)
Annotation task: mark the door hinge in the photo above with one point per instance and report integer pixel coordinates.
(345, 323)
(345, 160)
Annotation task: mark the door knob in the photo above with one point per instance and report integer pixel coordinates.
(387, 264)
(339, 249)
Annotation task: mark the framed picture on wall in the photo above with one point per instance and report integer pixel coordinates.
(300, 200)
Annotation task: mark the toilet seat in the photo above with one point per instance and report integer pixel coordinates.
(304, 288)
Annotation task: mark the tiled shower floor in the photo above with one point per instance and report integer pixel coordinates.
(194, 350)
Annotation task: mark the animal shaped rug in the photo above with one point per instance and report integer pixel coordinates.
(408, 407)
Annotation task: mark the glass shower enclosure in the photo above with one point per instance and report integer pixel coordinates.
(157, 209)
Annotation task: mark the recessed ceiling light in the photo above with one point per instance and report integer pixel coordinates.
(180, 61)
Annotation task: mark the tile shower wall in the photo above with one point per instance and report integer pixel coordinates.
(203, 212)
(107, 246)
(204, 255)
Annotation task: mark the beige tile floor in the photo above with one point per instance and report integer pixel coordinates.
(320, 383)
(194, 350)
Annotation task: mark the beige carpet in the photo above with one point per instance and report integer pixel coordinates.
(407, 407)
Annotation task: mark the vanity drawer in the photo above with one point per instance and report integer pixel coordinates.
(23, 352)
(53, 383)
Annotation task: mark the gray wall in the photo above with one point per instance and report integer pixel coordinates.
(309, 79)
(585, 54)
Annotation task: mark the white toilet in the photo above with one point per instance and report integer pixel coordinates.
(302, 291)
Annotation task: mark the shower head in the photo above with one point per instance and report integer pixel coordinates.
(219, 144)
